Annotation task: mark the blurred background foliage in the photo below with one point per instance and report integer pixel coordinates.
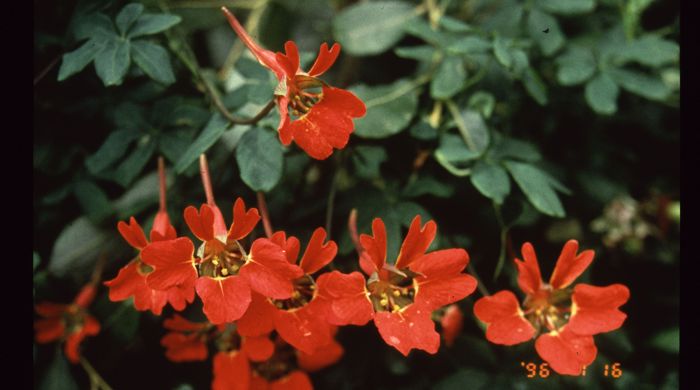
(504, 121)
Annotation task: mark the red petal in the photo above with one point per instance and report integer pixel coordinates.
(243, 221)
(451, 323)
(416, 242)
(178, 296)
(291, 246)
(566, 352)
(90, 327)
(258, 349)
(201, 223)
(132, 233)
(265, 57)
(506, 324)
(48, 329)
(317, 254)
(595, 309)
(172, 262)
(325, 59)
(257, 382)
(435, 293)
(162, 229)
(85, 296)
(290, 60)
(231, 371)
(285, 132)
(50, 309)
(268, 271)
(442, 263)
(258, 319)
(529, 278)
(303, 329)
(295, 380)
(184, 348)
(224, 299)
(409, 329)
(374, 246)
(569, 266)
(129, 282)
(181, 324)
(346, 298)
(322, 358)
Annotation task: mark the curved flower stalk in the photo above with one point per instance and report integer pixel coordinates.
(322, 115)
(565, 318)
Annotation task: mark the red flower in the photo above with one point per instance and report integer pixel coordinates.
(131, 280)
(568, 318)
(186, 341)
(298, 320)
(232, 365)
(69, 322)
(451, 323)
(223, 273)
(323, 113)
(399, 297)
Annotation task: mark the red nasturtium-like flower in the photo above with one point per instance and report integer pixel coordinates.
(401, 297)
(131, 280)
(298, 320)
(567, 318)
(323, 114)
(69, 322)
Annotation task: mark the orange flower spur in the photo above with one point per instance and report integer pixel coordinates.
(565, 318)
(323, 115)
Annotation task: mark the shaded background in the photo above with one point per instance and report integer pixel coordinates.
(611, 153)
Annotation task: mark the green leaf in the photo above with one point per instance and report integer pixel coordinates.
(491, 180)
(371, 27)
(641, 84)
(566, 7)
(36, 261)
(427, 186)
(95, 26)
(601, 94)
(407, 211)
(453, 153)
(469, 45)
(127, 16)
(260, 159)
(472, 128)
(651, 50)
(123, 323)
(211, 133)
(419, 53)
(466, 378)
(58, 375)
(422, 130)
(367, 159)
(482, 102)
(112, 62)
(93, 200)
(537, 23)
(449, 78)
(127, 171)
(667, 340)
(153, 59)
(421, 28)
(148, 24)
(389, 108)
(631, 13)
(111, 150)
(534, 86)
(500, 50)
(511, 148)
(575, 66)
(78, 59)
(537, 187)
(77, 246)
(454, 24)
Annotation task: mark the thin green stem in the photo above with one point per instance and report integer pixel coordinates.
(96, 380)
(461, 126)
(504, 237)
